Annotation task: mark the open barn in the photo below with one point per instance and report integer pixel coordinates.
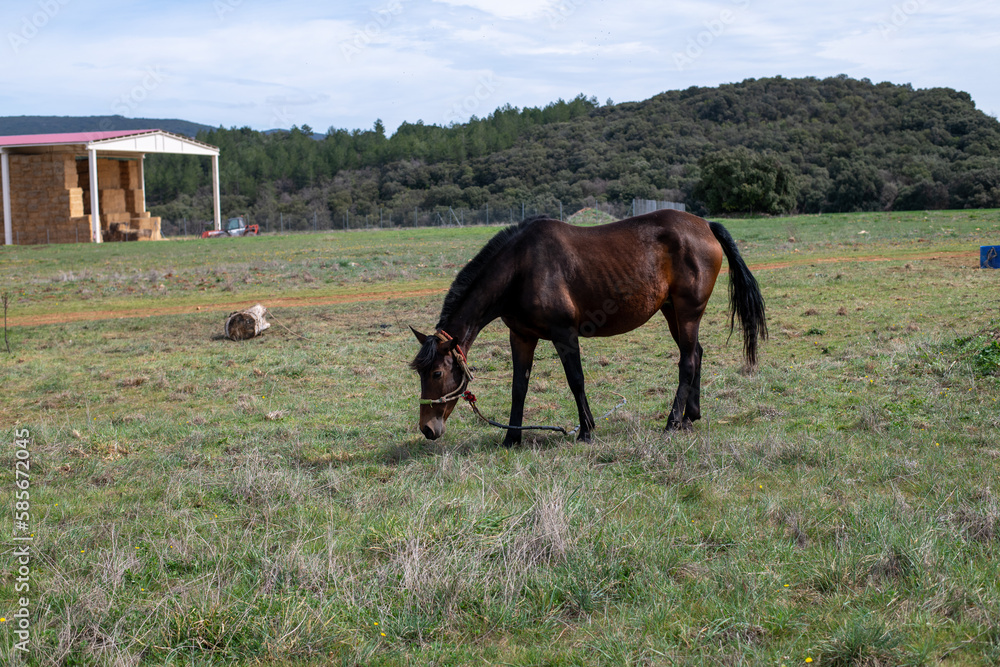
(86, 186)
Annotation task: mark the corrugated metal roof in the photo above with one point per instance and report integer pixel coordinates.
(75, 138)
(66, 137)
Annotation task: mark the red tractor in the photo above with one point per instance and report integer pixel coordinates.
(234, 227)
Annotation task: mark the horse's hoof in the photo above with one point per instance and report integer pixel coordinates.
(510, 442)
(585, 437)
(683, 425)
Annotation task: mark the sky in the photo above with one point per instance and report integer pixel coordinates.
(236, 63)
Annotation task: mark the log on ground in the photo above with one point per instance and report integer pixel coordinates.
(244, 324)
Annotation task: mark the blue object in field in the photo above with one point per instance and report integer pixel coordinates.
(989, 257)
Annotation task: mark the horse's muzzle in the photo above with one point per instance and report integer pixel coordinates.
(433, 430)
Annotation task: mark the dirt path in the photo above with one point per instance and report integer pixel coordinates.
(228, 307)
(358, 297)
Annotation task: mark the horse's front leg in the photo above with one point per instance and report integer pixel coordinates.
(568, 346)
(522, 350)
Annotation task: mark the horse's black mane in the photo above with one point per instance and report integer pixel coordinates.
(425, 356)
(468, 276)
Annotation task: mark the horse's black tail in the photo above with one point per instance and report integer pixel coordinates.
(745, 298)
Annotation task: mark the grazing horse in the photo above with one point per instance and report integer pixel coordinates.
(549, 280)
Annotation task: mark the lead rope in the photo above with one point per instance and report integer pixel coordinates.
(471, 398)
(282, 325)
(463, 392)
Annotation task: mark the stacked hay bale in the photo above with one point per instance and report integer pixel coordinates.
(51, 191)
(120, 200)
(147, 227)
(47, 202)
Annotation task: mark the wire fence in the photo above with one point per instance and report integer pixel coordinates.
(641, 206)
(441, 216)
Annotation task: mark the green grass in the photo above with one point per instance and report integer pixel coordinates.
(191, 272)
(198, 501)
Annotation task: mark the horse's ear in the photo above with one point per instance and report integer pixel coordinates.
(420, 337)
(450, 344)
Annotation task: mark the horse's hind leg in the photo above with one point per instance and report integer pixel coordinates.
(686, 408)
(692, 411)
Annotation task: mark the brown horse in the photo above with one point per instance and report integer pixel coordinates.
(549, 280)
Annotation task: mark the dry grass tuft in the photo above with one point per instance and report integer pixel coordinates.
(691, 572)
(979, 526)
(436, 578)
(114, 564)
(261, 480)
(791, 522)
(549, 539)
(246, 404)
(871, 419)
(891, 565)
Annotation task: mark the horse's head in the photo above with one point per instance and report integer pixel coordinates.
(444, 375)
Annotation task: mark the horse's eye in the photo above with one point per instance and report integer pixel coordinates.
(436, 375)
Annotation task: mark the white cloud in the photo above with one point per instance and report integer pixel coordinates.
(506, 9)
(439, 60)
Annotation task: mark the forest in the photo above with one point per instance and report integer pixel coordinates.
(761, 146)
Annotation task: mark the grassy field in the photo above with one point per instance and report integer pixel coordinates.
(195, 501)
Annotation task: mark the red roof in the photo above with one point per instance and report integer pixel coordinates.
(66, 137)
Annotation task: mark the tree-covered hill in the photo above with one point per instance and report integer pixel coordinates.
(834, 144)
(14, 125)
